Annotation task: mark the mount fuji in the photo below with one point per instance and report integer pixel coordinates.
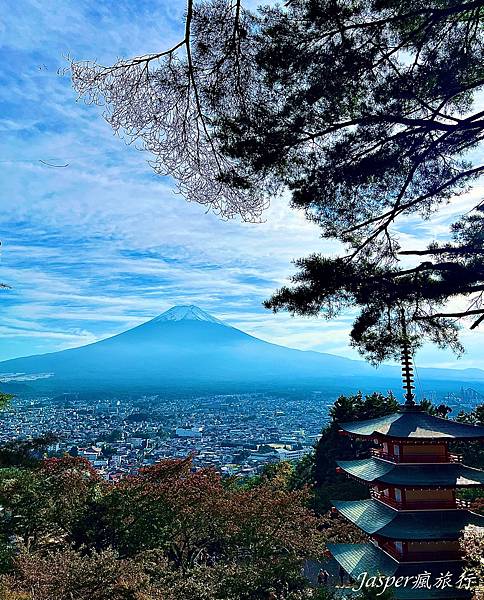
(185, 348)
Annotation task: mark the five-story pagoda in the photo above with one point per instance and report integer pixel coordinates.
(413, 517)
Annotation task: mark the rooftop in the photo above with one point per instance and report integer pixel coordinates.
(373, 470)
(359, 558)
(376, 518)
(414, 424)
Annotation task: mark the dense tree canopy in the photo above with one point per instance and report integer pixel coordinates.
(332, 446)
(167, 532)
(472, 544)
(472, 452)
(366, 112)
(25, 453)
(4, 399)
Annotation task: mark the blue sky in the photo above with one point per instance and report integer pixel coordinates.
(104, 244)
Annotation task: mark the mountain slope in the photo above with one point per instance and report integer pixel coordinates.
(186, 347)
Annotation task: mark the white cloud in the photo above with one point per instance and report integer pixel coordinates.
(104, 244)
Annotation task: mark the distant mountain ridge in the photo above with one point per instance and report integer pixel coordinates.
(187, 348)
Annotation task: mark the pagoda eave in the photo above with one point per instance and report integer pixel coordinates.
(375, 471)
(376, 518)
(413, 425)
(368, 558)
(414, 486)
(384, 437)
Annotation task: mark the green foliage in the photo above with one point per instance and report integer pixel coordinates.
(325, 593)
(303, 472)
(332, 445)
(474, 417)
(138, 417)
(25, 453)
(167, 532)
(114, 436)
(265, 449)
(163, 434)
(4, 398)
(107, 451)
(472, 451)
(475, 497)
(442, 410)
(357, 407)
(363, 110)
(350, 117)
(42, 505)
(374, 594)
(278, 475)
(341, 488)
(70, 574)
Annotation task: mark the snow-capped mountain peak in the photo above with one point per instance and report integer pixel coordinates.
(187, 313)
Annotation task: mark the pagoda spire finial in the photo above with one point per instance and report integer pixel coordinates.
(407, 367)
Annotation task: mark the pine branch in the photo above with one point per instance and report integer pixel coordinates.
(464, 250)
(457, 315)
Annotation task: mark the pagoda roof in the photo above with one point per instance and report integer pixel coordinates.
(376, 470)
(360, 558)
(368, 558)
(376, 518)
(413, 423)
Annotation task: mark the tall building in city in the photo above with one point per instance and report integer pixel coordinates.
(413, 517)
